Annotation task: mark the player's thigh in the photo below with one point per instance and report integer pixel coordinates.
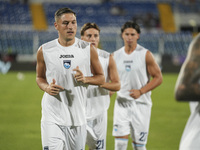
(121, 119)
(55, 137)
(97, 131)
(141, 114)
(52, 136)
(75, 137)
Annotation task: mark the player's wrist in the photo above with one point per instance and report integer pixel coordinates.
(45, 89)
(141, 92)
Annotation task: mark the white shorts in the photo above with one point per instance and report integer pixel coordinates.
(132, 118)
(56, 137)
(96, 132)
(191, 135)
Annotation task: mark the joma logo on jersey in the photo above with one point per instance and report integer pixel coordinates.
(67, 64)
(128, 61)
(66, 56)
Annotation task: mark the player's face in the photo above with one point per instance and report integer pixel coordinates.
(130, 36)
(91, 35)
(66, 26)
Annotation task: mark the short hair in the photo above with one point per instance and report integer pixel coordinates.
(62, 11)
(131, 24)
(87, 26)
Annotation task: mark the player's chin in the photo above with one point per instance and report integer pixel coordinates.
(69, 38)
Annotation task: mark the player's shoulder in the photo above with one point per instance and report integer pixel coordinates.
(103, 53)
(141, 48)
(81, 44)
(118, 51)
(49, 44)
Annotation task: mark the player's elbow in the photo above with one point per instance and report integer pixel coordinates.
(101, 79)
(159, 80)
(181, 95)
(118, 86)
(177, 96)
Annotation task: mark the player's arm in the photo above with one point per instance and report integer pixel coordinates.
(114, 84)
(154, 72)
(52, 88)
(188, 86)
(97, 71)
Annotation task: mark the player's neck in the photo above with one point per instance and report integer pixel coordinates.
(66, 43)
(130, 48)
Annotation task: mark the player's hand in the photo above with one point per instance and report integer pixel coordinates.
(79, 75)
(53, 89)
(135, 93)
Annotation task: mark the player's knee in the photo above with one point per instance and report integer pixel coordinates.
(121, 144)
(139, 146)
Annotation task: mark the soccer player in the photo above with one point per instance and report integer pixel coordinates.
(188, 89)
(98, 99)
(63, 66)
(139, 74)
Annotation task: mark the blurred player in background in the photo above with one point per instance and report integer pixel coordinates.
(98, 100)
(188, 89)
(63, 69)
(136, 65)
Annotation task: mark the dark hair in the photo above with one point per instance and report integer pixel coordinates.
(131, 24)
(88, 26)
(62, 11)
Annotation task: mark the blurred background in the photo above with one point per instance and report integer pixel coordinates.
(167, 26)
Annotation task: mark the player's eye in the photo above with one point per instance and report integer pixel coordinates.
(73, 22)
(89, 36)
(65, 23)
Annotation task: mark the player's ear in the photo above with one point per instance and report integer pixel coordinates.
(56, 25)
(121, 35)
(138, 36)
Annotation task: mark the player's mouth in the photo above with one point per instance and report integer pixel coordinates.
(70, 32)
(129, 42)
(93, 44)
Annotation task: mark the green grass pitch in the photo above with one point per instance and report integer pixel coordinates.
(20, 114)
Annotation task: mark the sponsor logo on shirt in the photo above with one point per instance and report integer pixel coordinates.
(128, 61)
(67, 64)
(66, 56)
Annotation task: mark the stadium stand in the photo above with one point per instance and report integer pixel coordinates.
(16, 13)
(18, 35)
(102, 14)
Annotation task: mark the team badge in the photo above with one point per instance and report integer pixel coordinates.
(67, 63)
(128, 68)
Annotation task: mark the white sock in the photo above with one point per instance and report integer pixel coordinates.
(139, 146)
(121, 144)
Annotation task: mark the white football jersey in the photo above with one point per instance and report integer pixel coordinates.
(98, 99)
(132, 72)
(68, 107)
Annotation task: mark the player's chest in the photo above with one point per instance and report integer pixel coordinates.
(65, 59)
(129, 64)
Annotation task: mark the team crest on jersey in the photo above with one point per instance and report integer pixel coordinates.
(128, 68)
(67, 63)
